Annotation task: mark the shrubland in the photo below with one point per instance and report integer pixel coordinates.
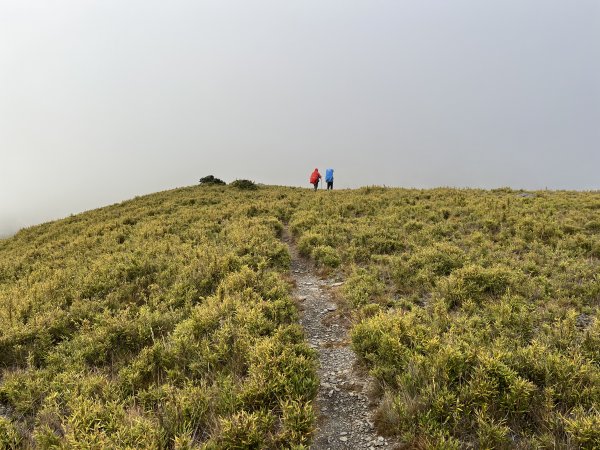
(476, 311)
(161, 322)
(166, 321)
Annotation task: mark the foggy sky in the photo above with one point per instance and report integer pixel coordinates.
(102, 100)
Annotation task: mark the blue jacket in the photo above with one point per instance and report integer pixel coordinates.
(329, 175)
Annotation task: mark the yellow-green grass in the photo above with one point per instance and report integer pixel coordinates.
(161, 322)
(166, 321)
(477, 311)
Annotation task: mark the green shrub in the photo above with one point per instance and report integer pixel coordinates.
(476, 283)
(246, 185)
(308, 242)
(10, 438)
(440, 258)
(362, 287)
(211, 179)
(245, 431)
(593, 226)
(326, 255)
(297, 424)
(584, 429)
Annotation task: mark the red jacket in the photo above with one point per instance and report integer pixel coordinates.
(315, 176)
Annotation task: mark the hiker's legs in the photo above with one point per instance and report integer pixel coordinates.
(329, 185)
(316, 185)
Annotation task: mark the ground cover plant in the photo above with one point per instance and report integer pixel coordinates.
(166, 321)
(161, 322)
(477, 311)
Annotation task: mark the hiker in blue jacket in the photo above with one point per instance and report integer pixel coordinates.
(329, 178)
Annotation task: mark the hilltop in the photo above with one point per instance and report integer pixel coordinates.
(172, 320)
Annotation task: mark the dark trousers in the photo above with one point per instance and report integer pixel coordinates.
(316, 185)
(329, 185)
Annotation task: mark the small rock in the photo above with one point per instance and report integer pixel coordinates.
(583, 320)
(343, 438)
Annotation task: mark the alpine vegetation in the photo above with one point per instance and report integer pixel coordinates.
(167, 321)
(476, 311)
(162, 322)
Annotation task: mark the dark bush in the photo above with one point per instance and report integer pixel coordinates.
(244, 184)
(211, 179)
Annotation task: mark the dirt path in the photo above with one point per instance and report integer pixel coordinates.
(344, 418)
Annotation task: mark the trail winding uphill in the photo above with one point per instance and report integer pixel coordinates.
(343, 413)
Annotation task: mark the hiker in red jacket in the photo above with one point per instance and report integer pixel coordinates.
(315, 177)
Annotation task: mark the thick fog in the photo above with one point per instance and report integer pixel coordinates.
(102, 100)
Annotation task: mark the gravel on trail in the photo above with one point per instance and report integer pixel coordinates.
(343, 413)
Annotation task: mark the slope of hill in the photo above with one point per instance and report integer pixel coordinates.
(167, 321)
(477, 311)
(161, 322)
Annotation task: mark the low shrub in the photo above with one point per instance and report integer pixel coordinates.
(10, 438)
(211, 180)
(476, 283)
(583, 429)
(308, 242)
(326, 256)
(362, 287)
(244, 185)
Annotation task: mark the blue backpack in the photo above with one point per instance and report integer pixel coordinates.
(329, 175)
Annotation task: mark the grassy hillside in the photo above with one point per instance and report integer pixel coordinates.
(162, 322)
(166, 321)
(477, 311)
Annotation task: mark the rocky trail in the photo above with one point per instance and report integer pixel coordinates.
(343, 412)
